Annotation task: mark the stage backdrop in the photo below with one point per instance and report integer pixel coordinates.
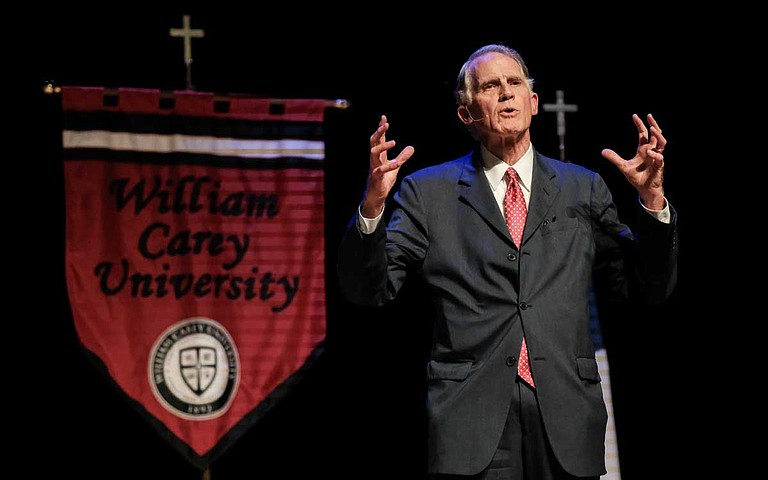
(195, 256)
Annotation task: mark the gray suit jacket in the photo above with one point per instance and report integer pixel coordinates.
(446, 227)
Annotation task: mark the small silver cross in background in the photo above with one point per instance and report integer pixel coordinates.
(560, 107)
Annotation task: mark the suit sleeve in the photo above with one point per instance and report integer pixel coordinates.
(656, 268)
(640, 267)
(372, 267)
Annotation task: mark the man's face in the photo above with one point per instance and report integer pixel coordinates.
(502, 101)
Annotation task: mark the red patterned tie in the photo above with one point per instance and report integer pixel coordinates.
(515, 212)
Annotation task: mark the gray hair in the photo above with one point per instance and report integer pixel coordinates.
(466, 81)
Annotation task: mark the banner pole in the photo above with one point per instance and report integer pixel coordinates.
(49, 87)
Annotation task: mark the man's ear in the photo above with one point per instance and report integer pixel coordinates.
(534, 103)
(464, 116)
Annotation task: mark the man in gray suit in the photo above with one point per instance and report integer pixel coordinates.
(513, 386)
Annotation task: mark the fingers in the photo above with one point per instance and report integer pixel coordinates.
(404, 155)
(653, 152)
(657, 159)
(379, 136)
(396, 162)
(379, 143)
(655, 132)
(613, 157)
(660, 142)
(380, 163)
(380, 148)
(652, 122)
(642, 132)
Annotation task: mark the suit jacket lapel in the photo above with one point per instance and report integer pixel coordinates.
(544, 190)
(475, 191)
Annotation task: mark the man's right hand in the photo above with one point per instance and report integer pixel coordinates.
(383, 171)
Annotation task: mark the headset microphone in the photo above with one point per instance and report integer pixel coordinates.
(473, 119)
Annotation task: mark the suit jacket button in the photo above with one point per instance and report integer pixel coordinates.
(523, 305)
(511, 361)
(511, 257)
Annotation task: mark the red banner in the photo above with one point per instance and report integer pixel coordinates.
(195, 255)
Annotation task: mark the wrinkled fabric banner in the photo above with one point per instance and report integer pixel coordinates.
(195, 254)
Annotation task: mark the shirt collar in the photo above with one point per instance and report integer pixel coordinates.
(495, 168)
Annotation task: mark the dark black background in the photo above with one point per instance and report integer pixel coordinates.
(359, 413)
